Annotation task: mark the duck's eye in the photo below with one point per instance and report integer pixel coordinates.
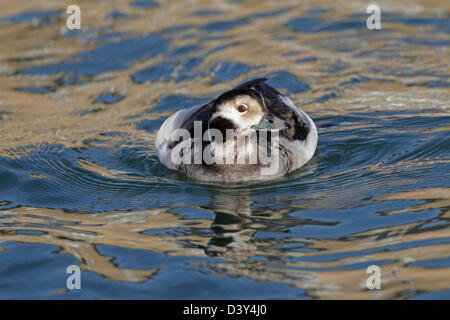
(242, 108)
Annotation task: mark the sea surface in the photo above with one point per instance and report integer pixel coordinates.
(80, 183)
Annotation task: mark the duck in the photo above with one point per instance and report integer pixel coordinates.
(249, 133)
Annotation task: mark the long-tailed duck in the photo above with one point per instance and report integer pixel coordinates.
(251, 132)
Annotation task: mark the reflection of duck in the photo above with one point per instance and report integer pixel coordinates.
(238, 216)
(257, 115)
(231, 223)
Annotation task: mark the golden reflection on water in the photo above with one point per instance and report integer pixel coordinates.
(79, 234)
(31, 117)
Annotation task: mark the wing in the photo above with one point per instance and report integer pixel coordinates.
(183, 119)
(283, 108)
(203, 114)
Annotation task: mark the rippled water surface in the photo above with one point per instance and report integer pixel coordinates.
(80, 183)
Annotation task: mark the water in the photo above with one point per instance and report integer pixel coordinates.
(80, 183)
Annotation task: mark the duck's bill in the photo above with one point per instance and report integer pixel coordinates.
(272, 123)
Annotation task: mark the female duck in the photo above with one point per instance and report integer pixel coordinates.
(251, 132)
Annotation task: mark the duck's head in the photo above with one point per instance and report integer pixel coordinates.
(243, 111)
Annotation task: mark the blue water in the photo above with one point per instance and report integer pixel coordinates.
(375, 193)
